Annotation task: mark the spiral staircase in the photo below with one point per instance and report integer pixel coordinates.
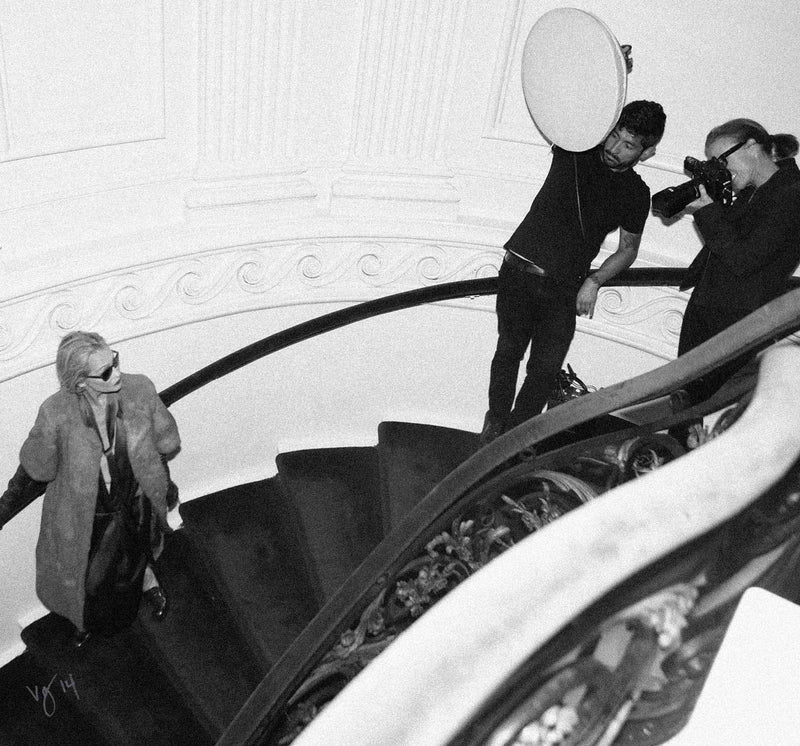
(283, 590)
(247, 571)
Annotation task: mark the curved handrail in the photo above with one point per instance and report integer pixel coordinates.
(776, 319)
(328, 322)
(639, 277)
(540, 585)
(635, 277)
(659, 276)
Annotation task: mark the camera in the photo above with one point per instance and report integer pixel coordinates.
(712, 174)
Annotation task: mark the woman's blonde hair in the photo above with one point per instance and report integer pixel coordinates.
(72, 358)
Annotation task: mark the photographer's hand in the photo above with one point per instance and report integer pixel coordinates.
(701, 201)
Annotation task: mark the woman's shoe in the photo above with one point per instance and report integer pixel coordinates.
(79, 638)
(157, 600)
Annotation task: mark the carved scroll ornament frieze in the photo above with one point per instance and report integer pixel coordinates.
(143, 299)
(152, 296)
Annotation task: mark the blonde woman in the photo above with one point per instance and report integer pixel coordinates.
(101, 443)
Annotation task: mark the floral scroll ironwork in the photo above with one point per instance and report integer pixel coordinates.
(673, 635)
(514, 505)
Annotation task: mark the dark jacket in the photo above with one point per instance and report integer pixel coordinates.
(65, 452)
(753, 247)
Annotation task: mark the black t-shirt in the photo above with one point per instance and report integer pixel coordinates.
(551, 234)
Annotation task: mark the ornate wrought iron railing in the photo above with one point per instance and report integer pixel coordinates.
(411, 568)
(602, 627)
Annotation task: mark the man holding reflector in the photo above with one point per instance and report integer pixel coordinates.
(574, 79)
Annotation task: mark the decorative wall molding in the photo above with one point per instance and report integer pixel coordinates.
(507, 117)
(256, 191)
(58, 98)
(407, 61)
(249, 51)
(159, 295)
(654, 315)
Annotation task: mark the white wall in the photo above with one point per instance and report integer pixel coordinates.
(187, 177)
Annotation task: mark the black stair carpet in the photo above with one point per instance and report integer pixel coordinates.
(335, 501)
(36, 709)
(197, 643)
(244, 576)
(120, 688)
(246, 539)
(414, 458)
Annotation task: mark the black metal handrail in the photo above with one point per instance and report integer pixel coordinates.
(656, 277)
(636, 277)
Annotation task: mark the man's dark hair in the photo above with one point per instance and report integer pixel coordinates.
(645, 119)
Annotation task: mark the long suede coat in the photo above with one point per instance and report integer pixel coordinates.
(65, 452)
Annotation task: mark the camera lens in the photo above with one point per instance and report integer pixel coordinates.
(672, 200)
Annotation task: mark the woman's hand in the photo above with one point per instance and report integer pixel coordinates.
(701, 201)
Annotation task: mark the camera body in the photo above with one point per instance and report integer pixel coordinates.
(713, 174)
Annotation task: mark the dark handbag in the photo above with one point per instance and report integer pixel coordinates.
(118, 555)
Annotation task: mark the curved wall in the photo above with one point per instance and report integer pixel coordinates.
(188, 177)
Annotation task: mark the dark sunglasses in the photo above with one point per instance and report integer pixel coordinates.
(724, 156)
(106, 374)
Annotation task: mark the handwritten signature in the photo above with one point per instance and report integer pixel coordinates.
(45, 693)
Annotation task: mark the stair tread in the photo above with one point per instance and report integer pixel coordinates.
(30, 716)
(334, 496)
(246, 539)
(250, 559)
(198, 642)
(122, 691)
(414, 458)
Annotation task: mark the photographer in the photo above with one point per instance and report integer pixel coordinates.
(752, 246)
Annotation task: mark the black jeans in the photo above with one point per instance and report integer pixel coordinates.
(535, 311)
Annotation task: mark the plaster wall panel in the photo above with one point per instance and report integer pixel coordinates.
(407, 58)
(249, 53)
(94, 123)
(78, 76)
